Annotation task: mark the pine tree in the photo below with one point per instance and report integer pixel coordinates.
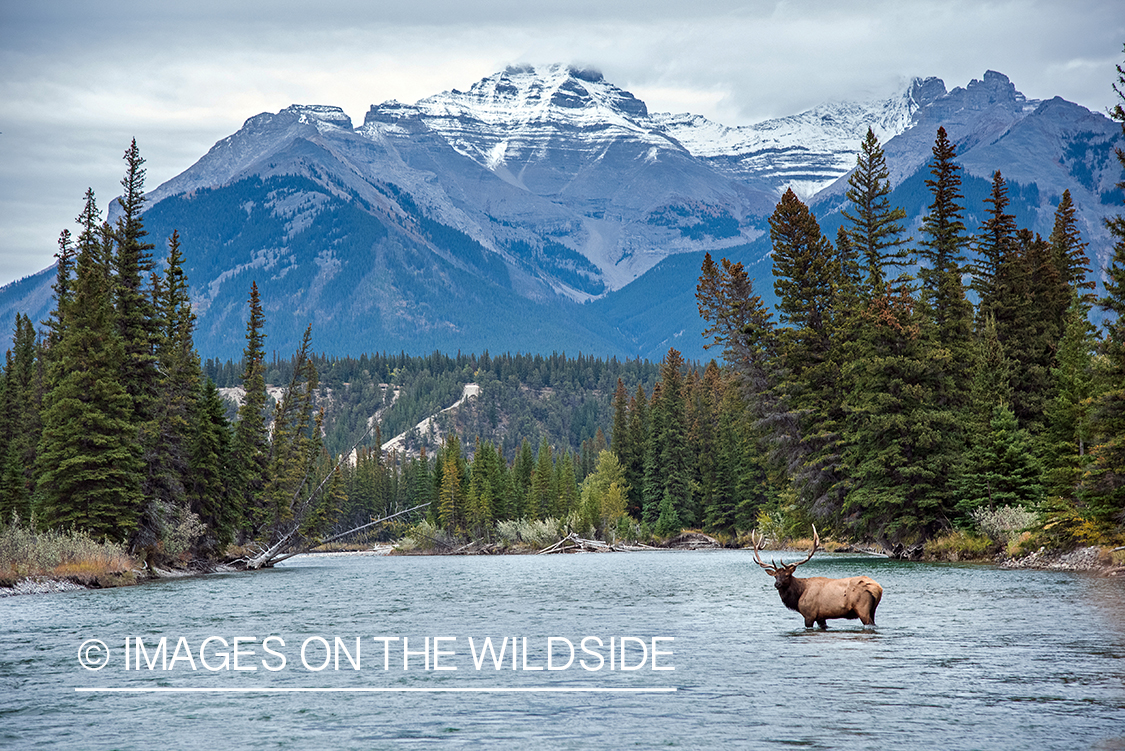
(634, 461)
(995, 247)
(674, 453)
(540, 503)
(451, 501)
(739, 322)
(169, 430)
(64, 281)
(251, 442)
(522, 471)
(1103, 487)
(898, 455)
(88, 467)
(1003, 469)
(620, 436)
(876, 229)
(1067, 439)
(295, 446)
(942, 251)
(19, 423)
(210, 472)
(652, 492)
(135, 314)
(1068, 251)
(805, 269)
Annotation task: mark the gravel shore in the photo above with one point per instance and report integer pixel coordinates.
(1083, 559)
(39, 586)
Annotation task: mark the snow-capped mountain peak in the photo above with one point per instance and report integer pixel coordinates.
(806, 151)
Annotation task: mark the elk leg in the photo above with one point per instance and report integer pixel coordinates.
(823, 623)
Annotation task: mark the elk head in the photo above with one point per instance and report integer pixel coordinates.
(783, 575)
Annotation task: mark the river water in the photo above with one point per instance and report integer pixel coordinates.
(963, 657)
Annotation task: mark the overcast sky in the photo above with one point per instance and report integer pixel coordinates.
(79, 79)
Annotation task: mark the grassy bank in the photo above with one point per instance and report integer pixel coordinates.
(69, 556)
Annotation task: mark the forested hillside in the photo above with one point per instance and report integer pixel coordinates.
(946, 386)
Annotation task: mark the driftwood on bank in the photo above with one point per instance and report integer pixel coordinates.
(572, 543)
(281, 550)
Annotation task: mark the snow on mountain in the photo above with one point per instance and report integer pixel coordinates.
(476, 219)
(807, 151)
(527, 115)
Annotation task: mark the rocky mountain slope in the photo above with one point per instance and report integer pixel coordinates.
(547, 209)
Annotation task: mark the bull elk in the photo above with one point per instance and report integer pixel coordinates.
(818, 598)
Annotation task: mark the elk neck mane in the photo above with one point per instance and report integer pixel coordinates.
(791, 592)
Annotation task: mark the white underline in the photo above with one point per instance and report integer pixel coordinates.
(371, 690)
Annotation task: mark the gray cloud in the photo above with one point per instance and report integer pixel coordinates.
(78, 80)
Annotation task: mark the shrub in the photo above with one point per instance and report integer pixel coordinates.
(534, 533)
(1003, 523)
(27, 552)
(425, 537)
(959, 545)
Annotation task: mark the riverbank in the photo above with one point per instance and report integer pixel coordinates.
(1094, 560)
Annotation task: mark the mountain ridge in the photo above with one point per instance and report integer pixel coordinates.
(488, 218)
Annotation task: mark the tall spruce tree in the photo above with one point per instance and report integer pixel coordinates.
(88, 465)
(251, 439)
(942, 251)
(876, 228)
(995, 246)
(1103, 491)
(674, 453)
(210, 473)
(805, 269)
(135, 314)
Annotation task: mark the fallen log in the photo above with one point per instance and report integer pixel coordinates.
(276, 553)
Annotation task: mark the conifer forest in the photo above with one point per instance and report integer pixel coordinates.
(904, 384)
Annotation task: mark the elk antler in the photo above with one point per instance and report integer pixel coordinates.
(815, 544)
(757, 546)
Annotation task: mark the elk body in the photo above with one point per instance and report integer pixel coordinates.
(818, 598)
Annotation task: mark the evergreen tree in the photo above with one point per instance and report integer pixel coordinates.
(88, 467)
(540, 503)
(521, 480)
(674, 453)
(995, 247)
(19, 423)
(135, 314)
(251, 442)
(169, 431)
(1068, 435)
(876, 229)
(295, 446)
(900, 448)
(450, 499)
(653, 483)
(942, 252)
(1103, 491)
(1003, 469)
(1068, 251)
(620, 436)
(805, 270)
(739, 322)
(634, 461)
(210, 472)
(64, 280)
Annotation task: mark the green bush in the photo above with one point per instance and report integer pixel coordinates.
(959, 545)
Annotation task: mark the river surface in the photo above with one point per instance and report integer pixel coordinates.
(963, 657)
